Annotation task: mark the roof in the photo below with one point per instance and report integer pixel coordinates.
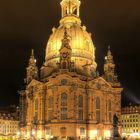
(132, 109)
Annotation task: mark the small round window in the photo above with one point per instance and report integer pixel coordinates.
(63, 82)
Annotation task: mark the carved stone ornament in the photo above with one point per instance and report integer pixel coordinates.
(30, 96)
(42, 93)
(63, 82)
(73, 87)
(98, 86)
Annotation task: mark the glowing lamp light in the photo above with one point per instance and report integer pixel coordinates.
(93, 133)
(33, 132)
(134, 134)
(124, 134)
(107, 133)
(47, 136)
(51, 137)
(18, 133)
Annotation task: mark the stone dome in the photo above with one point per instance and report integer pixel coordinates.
(83, 50)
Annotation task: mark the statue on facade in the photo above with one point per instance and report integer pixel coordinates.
(115, 126)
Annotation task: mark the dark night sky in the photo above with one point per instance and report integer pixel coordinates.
(26, 24)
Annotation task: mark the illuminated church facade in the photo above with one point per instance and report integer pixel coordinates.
(67, 98)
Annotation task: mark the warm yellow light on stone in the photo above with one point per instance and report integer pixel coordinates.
(83, 50)
(70, 100)
(107, 133)
(93, 133)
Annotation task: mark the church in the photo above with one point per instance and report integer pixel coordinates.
(67, 98)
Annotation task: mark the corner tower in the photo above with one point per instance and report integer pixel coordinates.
(83, 50)
(32, 70)
(109, 69)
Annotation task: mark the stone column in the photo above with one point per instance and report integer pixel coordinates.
(89, 107)
(42, 114)
(42, 106)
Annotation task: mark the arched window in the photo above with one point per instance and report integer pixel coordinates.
(50, 107)
(97, 103)
(109, 111)
(36, 104)
(98, 109)
(82, 131)
(50, 102)
(80, 101)
(63, 106)
(63, 99)
(80, 107)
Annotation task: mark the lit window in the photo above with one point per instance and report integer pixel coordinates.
(50, 102)
(50, 107)
(63, 99)
(49, 114)
(80, 114)
(80, 109)
(36, 104)
(82, 131)
(63, 113)
(80, 101)
(63, 106)
(110, 117)
(98, 116)
(98, 109)
(97, 103)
